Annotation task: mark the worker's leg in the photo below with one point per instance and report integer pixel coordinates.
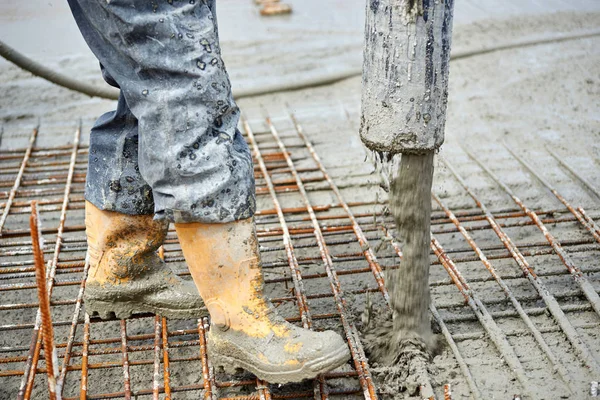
(166, 58)
(113, 180)
(126, 275)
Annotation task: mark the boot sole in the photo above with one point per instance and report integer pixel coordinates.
(125, 309)
(308, 370)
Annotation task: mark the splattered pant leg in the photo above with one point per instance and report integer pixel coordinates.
(165, 57)
(114, 182)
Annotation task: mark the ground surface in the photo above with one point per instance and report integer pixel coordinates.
(533, 98)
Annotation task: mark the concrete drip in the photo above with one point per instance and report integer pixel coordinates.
(401, 343)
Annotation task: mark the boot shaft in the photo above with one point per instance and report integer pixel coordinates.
(224, 261)
(246, 329)
(121, 247)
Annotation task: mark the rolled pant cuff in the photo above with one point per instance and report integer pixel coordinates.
(182, 216)
(141, 208)
(217, 216)
(186, 217)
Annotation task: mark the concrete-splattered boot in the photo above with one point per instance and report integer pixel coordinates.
(126, 275)
(246, 331)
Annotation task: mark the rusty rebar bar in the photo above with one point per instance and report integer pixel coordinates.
(301, 301)
(368, 252)
(305, 314)
(166, 361)
(573, 171)
(475, 392)
(484, 317)
(307, 261)
(287, 242)
(366, 249)
(77, 264)
(44, 301)
(447, 335)
(73, 330)
(358, 357)
(208, 379)
(589, 220)
(28, 378)
(449, 305)
(161, 331)
(125, 360)
(520, 332)
(157, 350)
(447, 392)
(334, 229)
(84, 358)
(18, 179)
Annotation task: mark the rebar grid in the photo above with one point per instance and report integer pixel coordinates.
(322, 256)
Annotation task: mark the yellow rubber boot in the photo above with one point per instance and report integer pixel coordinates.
(126, 275)
(246, 331)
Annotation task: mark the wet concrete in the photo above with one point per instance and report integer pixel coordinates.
(401, 342)
(259, 51)
(410, 204)
(531, 97)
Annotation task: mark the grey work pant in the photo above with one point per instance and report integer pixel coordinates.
(172, 146)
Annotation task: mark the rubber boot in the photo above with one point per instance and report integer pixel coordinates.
(246, 331)
(126, 275)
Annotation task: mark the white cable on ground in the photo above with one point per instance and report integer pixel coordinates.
(110, 93)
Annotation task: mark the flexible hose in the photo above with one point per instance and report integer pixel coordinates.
(53, 76)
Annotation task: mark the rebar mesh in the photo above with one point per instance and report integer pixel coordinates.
(323, 256)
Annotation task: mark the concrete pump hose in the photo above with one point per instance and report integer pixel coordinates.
(53, 76)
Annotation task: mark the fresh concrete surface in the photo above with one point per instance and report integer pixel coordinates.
(532, 97)
(317, 38)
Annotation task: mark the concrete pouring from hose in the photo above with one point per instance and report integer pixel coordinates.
(404, 98)
(405, 75)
